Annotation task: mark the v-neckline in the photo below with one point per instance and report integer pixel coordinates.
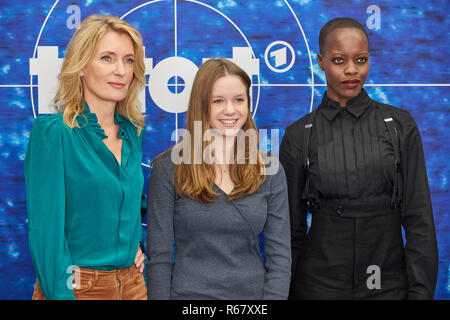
(93, 122)
(221, 190)
(119, 162)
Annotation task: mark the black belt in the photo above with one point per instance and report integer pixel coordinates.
(349, 209)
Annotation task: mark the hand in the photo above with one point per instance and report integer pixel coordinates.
(139, 260)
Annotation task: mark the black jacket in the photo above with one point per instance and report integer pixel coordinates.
(355, 228)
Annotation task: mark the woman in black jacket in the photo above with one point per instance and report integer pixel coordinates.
(358, 166)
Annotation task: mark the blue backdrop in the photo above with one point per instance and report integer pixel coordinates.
(277, 43)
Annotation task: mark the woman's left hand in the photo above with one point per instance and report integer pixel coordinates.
(139, 260)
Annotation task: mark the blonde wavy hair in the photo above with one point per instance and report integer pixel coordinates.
(81, 47)
(196, 180)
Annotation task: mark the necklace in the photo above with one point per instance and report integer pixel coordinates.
(224, 170)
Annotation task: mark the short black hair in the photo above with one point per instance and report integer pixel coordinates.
(337, 23)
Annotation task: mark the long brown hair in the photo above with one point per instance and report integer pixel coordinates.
(79, 51)
(196, 180)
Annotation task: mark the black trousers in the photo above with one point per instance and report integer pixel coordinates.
(352, 251)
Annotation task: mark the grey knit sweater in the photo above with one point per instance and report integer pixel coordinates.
(217, 252)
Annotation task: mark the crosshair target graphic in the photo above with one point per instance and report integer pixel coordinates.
(175, 103)
(170, 79)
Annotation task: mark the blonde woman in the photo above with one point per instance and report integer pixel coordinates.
(83, 175)
(214, 198)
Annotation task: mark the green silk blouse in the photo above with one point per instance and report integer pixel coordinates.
(83, 207)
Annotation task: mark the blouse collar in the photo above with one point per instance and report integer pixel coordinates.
(92, 121)
(356, 106)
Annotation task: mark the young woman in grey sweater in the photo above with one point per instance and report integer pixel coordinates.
(212, 196)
